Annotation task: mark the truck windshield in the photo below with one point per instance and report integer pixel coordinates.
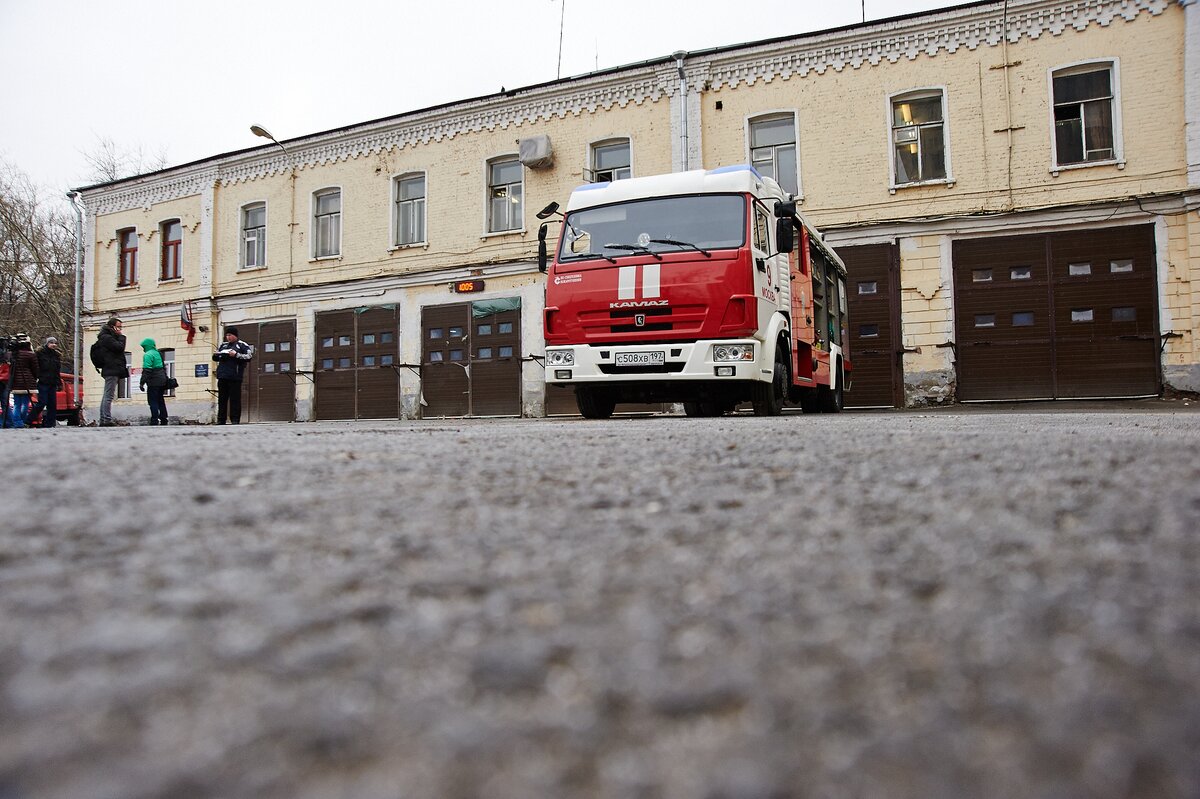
(700, 222)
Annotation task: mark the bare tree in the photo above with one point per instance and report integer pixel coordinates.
(109, 162)
(37, 262)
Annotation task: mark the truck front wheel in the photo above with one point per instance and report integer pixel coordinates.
(594, 403)
(768, 398)
(832, 399)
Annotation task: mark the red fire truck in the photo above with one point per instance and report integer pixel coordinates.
(704, 287)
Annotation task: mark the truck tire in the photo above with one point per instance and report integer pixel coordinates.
(594, 403)
(810, 400)
(768, 398)
(832, 399)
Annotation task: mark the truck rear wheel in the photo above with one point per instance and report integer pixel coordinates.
(704, 408)
(594, 403)
(810, 400)
(832, 399)
(768, 398)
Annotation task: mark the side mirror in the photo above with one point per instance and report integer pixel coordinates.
(783, 209)
(543, 256)
(784, 235)
(547, 212)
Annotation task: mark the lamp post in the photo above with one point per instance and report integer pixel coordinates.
(77, 333)
(259, 130)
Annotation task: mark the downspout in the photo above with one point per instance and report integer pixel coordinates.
(77, 333)
(679, 56)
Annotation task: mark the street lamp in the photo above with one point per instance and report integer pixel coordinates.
(259, 130)
(73, 196)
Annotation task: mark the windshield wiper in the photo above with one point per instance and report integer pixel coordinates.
(633, 248)
(684, 244)
(592, 256)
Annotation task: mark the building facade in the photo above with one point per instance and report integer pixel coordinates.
(1015, 188)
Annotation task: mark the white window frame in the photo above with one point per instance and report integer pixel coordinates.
(242, 266)
(169, 366)
(312, 221)
(918, 93)
(607, 141)
(764, 116)
(137, 256)
(393, 228)
(487, 195)
(1114, 66)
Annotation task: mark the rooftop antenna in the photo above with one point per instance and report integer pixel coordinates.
(864, 10)
(561, 17)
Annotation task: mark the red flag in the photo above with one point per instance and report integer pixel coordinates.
(185, 321)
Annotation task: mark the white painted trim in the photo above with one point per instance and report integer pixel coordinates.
(240, 226)
(765, 115)
(1114, 65)
(312, 222)
(912, 94)
(393, 187)
(487, 195)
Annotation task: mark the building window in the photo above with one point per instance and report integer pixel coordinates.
(254, 236)
(1084, 126)
(610, 161)
(773, 149)
(127, 264)
(327, 223)
(168, 357)
(172, 239)
(919, 138)
(505, 190)
(125, 387)
(410, 210)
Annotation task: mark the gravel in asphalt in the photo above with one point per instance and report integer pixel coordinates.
(939, 604)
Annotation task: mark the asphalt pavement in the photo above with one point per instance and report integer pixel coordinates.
(953, 603)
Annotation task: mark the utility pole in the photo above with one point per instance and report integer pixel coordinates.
(561, 18)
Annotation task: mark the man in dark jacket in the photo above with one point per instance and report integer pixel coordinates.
(231, 357)
(112, 343)
(49, 382)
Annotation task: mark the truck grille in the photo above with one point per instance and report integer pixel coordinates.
(681, 320)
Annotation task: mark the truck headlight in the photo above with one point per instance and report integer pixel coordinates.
(560, 358)
(733, 352)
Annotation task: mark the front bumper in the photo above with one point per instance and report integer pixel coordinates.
(682, 361)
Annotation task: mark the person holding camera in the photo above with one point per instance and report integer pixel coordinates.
(111, 345)
(231, 357)
(24, 379)
(154, 381)
(49, 361)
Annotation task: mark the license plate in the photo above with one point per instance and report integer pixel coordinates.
(641, 358)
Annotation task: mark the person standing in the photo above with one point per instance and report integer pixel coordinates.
(154, 381)
(49, 382)
(231, 357)
(24, 379)
(5, 383)
(112, 345)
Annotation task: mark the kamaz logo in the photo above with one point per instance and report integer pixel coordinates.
(639, 304)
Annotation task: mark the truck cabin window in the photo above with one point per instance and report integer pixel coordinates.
(700, 223)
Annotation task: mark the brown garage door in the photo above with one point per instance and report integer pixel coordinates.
(874, 312)
(471, 359)
(355, 366)
(269, 383)
(1060, 315)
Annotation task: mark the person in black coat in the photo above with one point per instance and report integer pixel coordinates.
(231, 357)
(24, 380)
(112, 344)
(49, 382)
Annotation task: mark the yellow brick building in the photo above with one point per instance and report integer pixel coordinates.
(1014, 186)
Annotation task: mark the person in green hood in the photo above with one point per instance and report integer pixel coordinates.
(154, 382)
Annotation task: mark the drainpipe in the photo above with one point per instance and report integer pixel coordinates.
(679, 55)
(73, 196)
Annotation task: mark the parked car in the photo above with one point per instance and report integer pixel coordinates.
(66, 411)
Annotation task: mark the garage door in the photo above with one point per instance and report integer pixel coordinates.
(1057, 316)
(874, 312)
(355, 367)
(471, 359)
(269, 383)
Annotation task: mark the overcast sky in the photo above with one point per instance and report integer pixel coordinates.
(188, 79)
